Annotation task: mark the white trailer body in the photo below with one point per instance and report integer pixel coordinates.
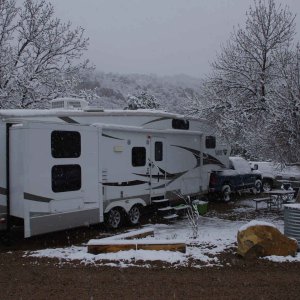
(167, 165)
(69, 168)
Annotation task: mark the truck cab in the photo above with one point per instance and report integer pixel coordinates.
(238, 177)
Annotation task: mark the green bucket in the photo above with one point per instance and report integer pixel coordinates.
(200, 206)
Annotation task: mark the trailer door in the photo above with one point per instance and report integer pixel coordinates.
(158, 163)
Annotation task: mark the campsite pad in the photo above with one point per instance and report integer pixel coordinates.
(217, 271)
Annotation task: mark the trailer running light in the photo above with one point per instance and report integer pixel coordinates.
(213, 179)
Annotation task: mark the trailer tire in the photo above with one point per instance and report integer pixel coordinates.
(115, 218)
(134, 215)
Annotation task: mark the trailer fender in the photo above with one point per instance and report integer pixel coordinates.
(125, 204)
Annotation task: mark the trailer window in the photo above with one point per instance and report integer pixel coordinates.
(210, 142)
(138, 156)
(65, 144)
(66, 178)
(158, 151)
(180, 124)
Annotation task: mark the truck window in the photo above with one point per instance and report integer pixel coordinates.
(66, 178)
(65, 144)
(138, 156)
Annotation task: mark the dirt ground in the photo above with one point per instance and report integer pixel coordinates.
(31, 278)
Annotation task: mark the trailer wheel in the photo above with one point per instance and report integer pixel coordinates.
(134, 215)
(115, 218)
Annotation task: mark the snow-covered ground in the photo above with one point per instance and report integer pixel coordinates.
(215, 236)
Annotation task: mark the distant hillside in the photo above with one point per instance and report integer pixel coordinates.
(171, 92)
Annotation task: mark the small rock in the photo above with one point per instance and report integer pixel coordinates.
(264, 240)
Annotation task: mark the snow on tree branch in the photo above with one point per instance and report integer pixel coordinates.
(40, 55)
(253, 92)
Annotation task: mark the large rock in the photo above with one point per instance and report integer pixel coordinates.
(258, 239)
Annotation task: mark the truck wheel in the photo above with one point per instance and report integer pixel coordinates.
(258, 186)
(115, 218)
(267, 185)
(134, 215)
(226, 190)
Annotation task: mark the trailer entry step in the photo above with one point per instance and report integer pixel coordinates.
(170, 217)
(160, 201)
(181, 207)
(165, 208)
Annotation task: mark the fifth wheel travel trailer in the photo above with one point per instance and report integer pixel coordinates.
(74, 165)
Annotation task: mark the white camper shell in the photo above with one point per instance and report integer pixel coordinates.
(62, 168)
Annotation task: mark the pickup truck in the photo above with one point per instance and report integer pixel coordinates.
(275, 175)
(239, 177)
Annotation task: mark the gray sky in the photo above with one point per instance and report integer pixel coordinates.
(163, 37)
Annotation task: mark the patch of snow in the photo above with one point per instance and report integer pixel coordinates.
(80, 253)
(293, 206)
(256, 223)
(122, 236)
(242, 209)
(240, 164)
(281, 259)
(215, 236)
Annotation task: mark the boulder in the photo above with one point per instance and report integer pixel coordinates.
(258, 239)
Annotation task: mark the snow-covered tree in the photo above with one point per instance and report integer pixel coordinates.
(283, 138)
(39, 55)
(142, 101)
(239, 95)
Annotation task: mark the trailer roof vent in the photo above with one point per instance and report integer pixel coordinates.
(94, 109)
(68, 103)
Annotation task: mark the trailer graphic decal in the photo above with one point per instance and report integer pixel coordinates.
(196, 154)
(164, 176)
(157, 120)
(111, 137)
(207, 158)
(175, 176)
(210, 160)
(125, 183)
(69, 120)
(33, 197)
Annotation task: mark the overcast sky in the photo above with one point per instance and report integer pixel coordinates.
(163, 37)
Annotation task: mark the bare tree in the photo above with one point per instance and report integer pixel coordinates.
(38, 54)
(284, 127)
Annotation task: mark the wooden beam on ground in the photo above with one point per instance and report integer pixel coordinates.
(97, 249)
(179, 247)
(108, 246)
